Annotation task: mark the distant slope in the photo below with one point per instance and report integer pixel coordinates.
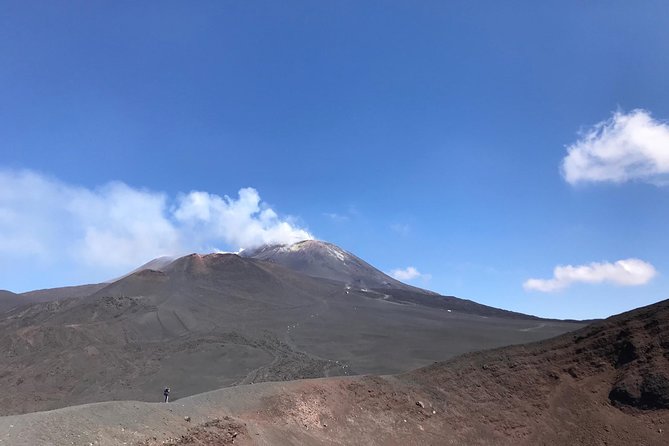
(157, 264)
(51, 294)
(447, 303)
(9, 300)
(326, 260)
(47, 295)
(607, 383)
(206, 322)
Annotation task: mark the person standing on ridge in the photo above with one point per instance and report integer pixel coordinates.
(166, 393)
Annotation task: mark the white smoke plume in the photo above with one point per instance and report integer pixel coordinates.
(116, 226)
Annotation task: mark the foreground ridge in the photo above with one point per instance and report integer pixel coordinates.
(604, 384)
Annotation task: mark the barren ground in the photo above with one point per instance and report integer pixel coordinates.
(606, 384)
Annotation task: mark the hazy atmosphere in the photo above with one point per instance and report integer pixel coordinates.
(516, 156)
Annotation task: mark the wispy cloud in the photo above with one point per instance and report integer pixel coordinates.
(409, 273)
(117, 226)
(628, 146)
(336, 217)
(628, 272)
(401, 228)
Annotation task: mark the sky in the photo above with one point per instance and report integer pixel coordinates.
(512, 153)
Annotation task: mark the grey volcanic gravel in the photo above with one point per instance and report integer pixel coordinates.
(554, 392)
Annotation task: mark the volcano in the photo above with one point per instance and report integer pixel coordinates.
(202, 322)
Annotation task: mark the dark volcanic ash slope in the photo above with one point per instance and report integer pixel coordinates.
(326, 260)
(9, 300)
(51, 294)
(206, 322)
(606, 384)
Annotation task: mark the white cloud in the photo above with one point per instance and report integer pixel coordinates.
(408, 273)
(628, 146)
(117, 226)
(628, 272)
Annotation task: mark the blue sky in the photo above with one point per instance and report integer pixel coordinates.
(423, 134)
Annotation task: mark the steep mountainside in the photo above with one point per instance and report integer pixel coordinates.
(606, 384)
(322, 259)
(205, 322)
(47, 295)
(326, 260)
(9, 300)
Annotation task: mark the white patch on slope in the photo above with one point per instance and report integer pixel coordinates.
(336, 253)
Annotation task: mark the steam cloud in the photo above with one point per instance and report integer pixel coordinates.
(117, 226)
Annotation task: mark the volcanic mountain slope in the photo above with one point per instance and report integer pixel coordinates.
(51, 294)
(206, 322)
(606, 384)
(9, 300)
(326, 260)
